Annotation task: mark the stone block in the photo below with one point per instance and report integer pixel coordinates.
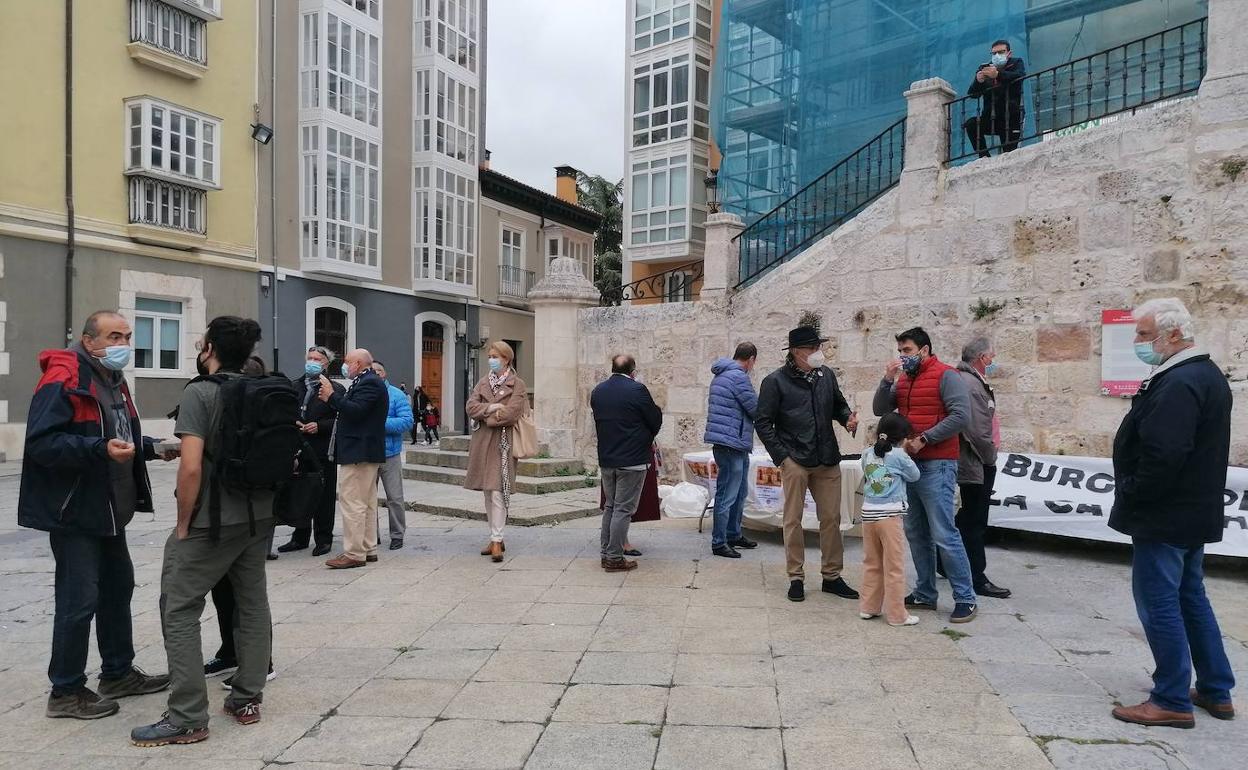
(654, 668)
(1015, 344)
(1016, 440)
(1002, 279)
(1054, 273)
(370, 740)
(1081, 444)
(1106, 226)
(949, 751)
(505, 701)
(399, 698)
(682, 747)
(1009, 201)
(1063, 343)
(1045, 410)
(459, 743)
(1045, 234)
(531, 665)
(608, 704)
(565, 746)
(1058, 192)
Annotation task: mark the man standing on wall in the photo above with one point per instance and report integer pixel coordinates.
(317, 424)
(730, 432)
(398, 422)
(1170, 458)
(931, 395)
(83, 478)
(797, 405)
(999, 84)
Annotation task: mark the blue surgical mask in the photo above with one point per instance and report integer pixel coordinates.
(496, 364)
(991, 369)
(999, 59)
(116, 357)
(910, 364)
(313, 368)
(1146, 353)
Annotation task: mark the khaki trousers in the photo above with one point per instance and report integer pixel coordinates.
(357, 498)
(884, 569)
(495, 514)
(824, 482)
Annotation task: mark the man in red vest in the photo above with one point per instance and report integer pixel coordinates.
(932, 396)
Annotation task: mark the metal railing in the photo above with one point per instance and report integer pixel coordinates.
(168, 205)
(836, 196)
(679, 284)
(514, 282)
(170, 29)
(1071, 96)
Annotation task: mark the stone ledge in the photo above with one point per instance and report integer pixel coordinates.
(166, 61)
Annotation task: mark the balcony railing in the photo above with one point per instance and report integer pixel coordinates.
(1073, 95)
(679, 284)
(165, 204)
(170, 29)
(836, 196)
(514, 282)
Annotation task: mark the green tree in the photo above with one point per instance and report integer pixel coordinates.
(603, 197)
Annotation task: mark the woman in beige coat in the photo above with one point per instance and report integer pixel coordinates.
(496, 404)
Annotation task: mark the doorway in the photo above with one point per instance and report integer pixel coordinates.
(432, 350)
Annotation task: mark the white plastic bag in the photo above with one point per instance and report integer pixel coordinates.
(665, 490)
(686, 501)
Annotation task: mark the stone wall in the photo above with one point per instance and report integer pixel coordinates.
(1154, 204)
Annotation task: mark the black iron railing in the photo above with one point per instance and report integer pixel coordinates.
(679, 284)
(842, 191)
(165, 204)
(1072, 96)
(514, 282)
(170, 29)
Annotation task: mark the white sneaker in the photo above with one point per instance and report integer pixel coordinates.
(867, 615)
(911, 620)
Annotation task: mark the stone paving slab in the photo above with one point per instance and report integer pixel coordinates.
(437, 658)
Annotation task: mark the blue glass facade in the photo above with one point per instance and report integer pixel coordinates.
(800, 84)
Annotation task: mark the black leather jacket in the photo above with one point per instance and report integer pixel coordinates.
(795, 416)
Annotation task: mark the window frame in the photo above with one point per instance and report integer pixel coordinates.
(208, 164)
(158, 319)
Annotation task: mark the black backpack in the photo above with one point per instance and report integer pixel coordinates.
(257, 441)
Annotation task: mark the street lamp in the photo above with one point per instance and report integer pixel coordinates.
(712, 191)
(261, 133)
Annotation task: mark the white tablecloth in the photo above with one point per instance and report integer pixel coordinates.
(765, 505)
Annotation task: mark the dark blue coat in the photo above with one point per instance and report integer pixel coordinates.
(360, 435)
(1171, 454)
(627, 420)
(730, 407)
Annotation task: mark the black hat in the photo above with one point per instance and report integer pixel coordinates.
(805, 337)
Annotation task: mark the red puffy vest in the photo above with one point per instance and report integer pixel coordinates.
(918, 400)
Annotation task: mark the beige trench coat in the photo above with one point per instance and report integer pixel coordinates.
(485, 471)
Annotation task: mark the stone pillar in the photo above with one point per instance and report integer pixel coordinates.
(721, 263)
(927, 143)
(1224, 90)
(557, 300)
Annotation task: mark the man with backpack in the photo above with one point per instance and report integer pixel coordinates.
(239, 443)
(358, 446)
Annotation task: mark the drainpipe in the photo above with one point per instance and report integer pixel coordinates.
(69, 170)
(273, 172)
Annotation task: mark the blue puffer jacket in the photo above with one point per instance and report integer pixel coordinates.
(731, 407)
(399, 420)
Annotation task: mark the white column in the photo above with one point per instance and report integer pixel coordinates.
(1224, 90)
(556, 300)
(721, 260)
(927, 142)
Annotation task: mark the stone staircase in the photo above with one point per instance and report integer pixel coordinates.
(546, 489)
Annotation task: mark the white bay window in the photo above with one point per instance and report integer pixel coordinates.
(172, 142)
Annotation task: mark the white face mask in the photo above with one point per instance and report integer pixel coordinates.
(816, 359)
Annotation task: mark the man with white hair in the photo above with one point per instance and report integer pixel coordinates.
(1170, 458)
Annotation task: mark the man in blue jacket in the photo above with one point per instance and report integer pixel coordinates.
(627, 421)
(1170, 458)
(399, 421)
(730, 410)
(358, 446)
(83, 478)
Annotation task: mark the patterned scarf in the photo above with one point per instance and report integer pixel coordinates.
(497, 381)
(793, 367)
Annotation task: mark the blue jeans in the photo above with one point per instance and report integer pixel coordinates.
(94, 578)
(930, 525)
(1169, 586)
(732, 485)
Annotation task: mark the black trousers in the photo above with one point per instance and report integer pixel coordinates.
(326, 508)
(980, 127)
(972, 522)
(431, 434)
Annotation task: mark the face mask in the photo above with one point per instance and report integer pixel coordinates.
(816, 359)
(116, 357)
(999, 59)
(200, 366)
(495, 364)
(910, 364)
(991, 369)
(1146, 353)
(313, 368)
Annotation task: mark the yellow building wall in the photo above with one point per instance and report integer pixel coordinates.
(32, 165)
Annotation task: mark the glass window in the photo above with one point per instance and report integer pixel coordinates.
(157, 334)
(167, 140)
(329, 330)
(659, 197)
(445, 236)
(655, 22)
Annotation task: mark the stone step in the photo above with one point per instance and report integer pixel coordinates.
(537, 466)
(459, 443)
(528, 485)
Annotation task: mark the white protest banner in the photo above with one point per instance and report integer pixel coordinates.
(1073, 496)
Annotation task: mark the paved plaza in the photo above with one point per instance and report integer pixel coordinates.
(437, 658)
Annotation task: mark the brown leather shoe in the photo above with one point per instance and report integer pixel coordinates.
(486, 551)
(619, 565)
(1152, 715)
(496, 551)
(1216, 710)
(342, 561)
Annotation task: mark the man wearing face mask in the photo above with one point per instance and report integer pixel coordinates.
(317, 424)
(1171, 453)
(399, 421)
(977, 460)
(931, 395)
(999, 84)
(83, 479)
(797, 405)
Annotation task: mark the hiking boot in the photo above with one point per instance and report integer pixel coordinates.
(81, 704)
(797, 591)
(164, 733)
(1216, 710)
(619, 565)
(727, 551)
(838, 587)
(218, 666)
(1150, 714)
(343, 562)
(133, 682)
(963, 612)
(915, 603)
(244, 713)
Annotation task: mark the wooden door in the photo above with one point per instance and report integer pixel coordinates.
(431, 350)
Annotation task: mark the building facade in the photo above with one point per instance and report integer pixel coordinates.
(378, 118)
(128, 181)
(668, 145)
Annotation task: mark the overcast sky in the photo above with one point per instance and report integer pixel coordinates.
(555, 88)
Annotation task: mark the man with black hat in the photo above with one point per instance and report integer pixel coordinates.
(797, 405)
